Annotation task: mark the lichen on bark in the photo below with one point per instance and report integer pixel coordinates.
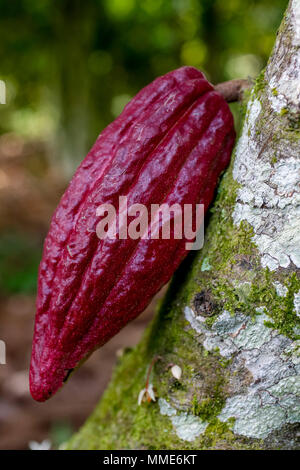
(230, 319)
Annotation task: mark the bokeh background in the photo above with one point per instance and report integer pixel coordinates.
(70, 66)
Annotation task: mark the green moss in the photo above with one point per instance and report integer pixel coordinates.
(283, 111)
(274, 160)
(282, 312)
(274, 92)
(210, 407)
(256, 292)
(227, 247)
(260, 84)
(233, 256)
(218, 433)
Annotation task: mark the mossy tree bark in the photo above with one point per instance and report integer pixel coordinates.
(231, 317)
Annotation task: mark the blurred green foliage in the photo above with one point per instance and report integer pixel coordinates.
(71, 65)
(60, 432)
(19, 260)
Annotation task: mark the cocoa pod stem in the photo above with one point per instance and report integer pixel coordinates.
(233, 89)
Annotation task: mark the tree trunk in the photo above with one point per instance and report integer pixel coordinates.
(231, 317)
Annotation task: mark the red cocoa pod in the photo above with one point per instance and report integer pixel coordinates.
(169, 145)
